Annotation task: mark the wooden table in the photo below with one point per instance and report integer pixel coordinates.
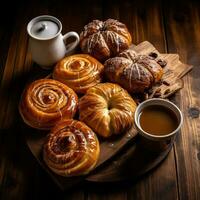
(171, 26)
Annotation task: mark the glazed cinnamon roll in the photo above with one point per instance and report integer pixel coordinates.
(71, 148)
(44, 102)
(79, 72)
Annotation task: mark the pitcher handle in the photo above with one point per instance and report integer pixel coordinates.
(71, 46)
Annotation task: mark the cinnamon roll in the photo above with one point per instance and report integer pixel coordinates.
(71, 148)
(79, 72)
(44, 102)
(108, 109)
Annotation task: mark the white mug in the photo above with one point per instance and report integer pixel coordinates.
(47, 45)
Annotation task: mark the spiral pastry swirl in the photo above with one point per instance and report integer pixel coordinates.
(44, 102)
(71, 148)
(79, 72)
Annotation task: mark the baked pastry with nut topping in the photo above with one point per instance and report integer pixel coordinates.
(133, 72)
(105, 39)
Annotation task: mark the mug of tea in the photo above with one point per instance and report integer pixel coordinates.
(47, 45)
(158, 121)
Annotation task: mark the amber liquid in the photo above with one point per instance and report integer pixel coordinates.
(158, 120)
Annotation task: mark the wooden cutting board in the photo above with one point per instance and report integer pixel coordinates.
(123, 154)
(173, 71)
(35, 140)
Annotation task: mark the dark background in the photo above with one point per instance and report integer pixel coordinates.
(172, 26)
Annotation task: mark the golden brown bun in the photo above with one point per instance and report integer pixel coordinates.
(107, 108)
(133, 72)
(79, 72)
(71, 149)
(105, 39)
(44, 102)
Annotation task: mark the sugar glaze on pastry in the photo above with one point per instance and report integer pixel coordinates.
(45, 101)
(108, 109)
(79, 72)
(134, 72)
(105, 39)
(71, 148)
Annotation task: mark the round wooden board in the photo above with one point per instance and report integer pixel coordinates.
(124, 157)
(123, 163)
(129, 164)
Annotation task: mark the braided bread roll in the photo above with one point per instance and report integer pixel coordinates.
(108, 109)
(79, 72)
(71, 149)
(133, 72)
(44, 102)
(105, 39)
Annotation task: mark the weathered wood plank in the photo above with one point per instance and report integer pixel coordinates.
(16, 166)
(73, 17)
(11, 75)
(23, 179)
(109, 9)
(18, 169)
(145, 21)
(15, 163)
(5, 34)
(183, 25)
(158, 184)
(108, 193)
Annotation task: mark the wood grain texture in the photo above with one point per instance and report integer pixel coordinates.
(12, 71)
(171, 27)
(185, 18)
(109, 148)
(117, 170)
(20, 175)
(14, 174)
(147, 24)
(173, 71)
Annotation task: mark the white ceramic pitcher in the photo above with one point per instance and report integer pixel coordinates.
(46, 42)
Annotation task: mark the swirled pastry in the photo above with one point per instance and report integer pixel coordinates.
(71, 149)
(105, 39)
(79, 72)
(135, 73)
(107, 108)
(44, 102)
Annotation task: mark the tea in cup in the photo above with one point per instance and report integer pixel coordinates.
(158, 121)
